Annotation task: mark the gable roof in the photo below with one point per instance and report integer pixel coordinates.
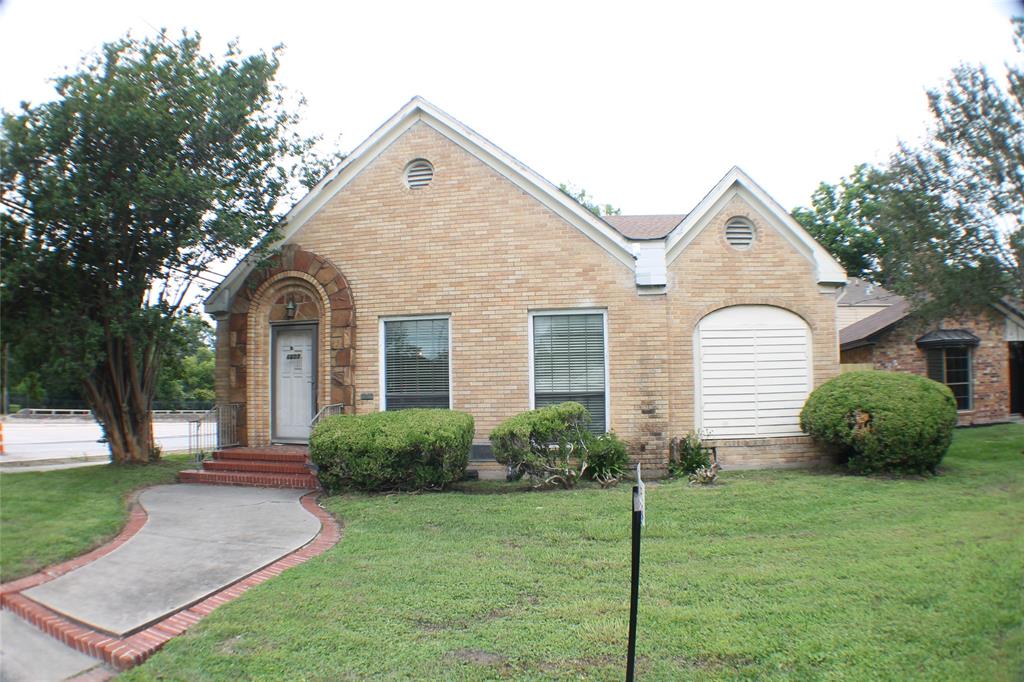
(613, 233)
(419, 110)
(644, 226)
(864, 332)
(736, 182)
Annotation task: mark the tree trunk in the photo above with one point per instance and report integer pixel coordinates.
(120, 394)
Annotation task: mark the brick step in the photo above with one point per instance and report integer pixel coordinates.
(263, 454)
(252, 466)
(261, 480)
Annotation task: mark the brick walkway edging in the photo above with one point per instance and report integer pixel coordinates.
(124, 653)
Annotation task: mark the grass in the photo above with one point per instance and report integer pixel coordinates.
(48, 517)
(773, 574)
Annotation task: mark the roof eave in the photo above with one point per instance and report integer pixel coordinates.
(418, 109)
(828, 271)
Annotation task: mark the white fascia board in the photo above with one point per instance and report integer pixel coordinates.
(416, 110)
(736, 182)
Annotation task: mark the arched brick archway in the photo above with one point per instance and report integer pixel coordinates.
(322, 295)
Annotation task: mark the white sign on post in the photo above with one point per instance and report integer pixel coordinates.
(640, 500)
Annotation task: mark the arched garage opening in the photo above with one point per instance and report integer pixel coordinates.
(753, 372)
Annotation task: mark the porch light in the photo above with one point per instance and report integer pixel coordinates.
(289, 309)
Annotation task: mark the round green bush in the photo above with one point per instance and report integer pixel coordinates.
(402, 450)
(883, 421)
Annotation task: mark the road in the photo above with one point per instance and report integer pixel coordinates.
(43, 439)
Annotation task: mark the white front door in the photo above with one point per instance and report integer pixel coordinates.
(294, 369)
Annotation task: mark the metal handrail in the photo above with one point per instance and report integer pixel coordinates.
(327, 411)
(217, 428)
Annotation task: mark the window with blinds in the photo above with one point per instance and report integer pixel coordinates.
(416, 364)
(952, 366)
(569, 363)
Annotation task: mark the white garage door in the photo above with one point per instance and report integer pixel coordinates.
(754, 372)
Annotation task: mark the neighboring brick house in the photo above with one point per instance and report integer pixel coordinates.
(431, 268)
(981, 358)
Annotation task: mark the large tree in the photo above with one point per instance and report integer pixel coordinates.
(844, 218)
(943, 223)
(187, 372)
(954, 212)
(154, 161)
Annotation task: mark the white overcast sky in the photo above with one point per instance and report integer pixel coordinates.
(644, 104)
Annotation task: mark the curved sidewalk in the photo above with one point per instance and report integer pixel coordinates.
(201, 546)
(197, 539)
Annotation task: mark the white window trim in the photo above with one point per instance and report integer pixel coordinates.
(603, 312)
(381, 354)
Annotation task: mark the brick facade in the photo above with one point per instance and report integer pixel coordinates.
(896, 350)
(475, 247)
(321, 295)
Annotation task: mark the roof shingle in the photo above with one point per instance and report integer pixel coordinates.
(644, 226)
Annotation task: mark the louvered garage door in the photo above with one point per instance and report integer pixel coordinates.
(754, 372)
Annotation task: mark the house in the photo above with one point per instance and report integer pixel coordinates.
(431, 268)
(860, 299)
(980, 357)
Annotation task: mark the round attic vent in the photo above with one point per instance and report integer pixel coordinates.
(418, 174)
(739, 232)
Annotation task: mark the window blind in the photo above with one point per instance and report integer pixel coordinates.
(416, 364)
(568, 363)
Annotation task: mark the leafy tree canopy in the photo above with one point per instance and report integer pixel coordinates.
(186, 373)
(943, 222)
(588, 202)
(844, 219)
(154, 161)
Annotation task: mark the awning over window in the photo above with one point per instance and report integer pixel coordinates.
(948, 338)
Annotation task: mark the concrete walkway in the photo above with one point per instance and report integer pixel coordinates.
(197, 540)
(28, 655)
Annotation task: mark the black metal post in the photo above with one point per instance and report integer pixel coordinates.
(634, 586)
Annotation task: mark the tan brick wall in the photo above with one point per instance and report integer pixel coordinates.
(322, 296)
(473, 246)
(764, 453)
(710, 274)
(897, 351)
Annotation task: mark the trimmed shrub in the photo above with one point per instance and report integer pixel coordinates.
(606, 457)
(551, 445)
(687, 455)
(883, 421)
(400, 450)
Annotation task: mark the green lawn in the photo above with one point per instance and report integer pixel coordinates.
(783, 575)
(47, 517)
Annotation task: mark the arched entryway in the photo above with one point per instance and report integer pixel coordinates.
(753, 372)
(292, 346)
